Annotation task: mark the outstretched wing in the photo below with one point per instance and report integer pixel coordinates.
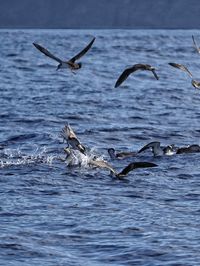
(124, 75)
(84, 51)
(181, 67)
(47, 53)
(149, 145)
(69, 135)
(133, 166)
(67, 132)
(155, 75)
(103, 164)
(195, 45)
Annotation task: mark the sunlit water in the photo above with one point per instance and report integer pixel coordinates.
(54, 215)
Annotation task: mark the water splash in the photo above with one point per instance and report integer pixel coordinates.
(12, 157)
(76, 158)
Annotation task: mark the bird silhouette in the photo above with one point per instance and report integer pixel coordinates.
(71, 64)
(132, 69)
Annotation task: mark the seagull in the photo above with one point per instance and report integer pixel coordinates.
(66, 64)
(195, 45)
(181, 67)
(132, 69)
(120, 155)
(71, 138)
(157, 149)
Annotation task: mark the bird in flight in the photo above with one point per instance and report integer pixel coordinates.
(195, 84)
(66, 64)
(181, 67)
(132, 69)
(195, 45)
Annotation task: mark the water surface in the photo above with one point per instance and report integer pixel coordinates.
(54, 215)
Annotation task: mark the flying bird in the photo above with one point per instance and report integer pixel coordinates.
(195, 45)
(181, 67)
(132, 69)
(195, 84)
(66, 64)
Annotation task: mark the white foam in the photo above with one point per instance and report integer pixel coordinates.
(12, 157)
(76, 158)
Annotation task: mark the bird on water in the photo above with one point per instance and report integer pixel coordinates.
(120, 155)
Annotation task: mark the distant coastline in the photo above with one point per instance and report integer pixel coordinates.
(103, 14)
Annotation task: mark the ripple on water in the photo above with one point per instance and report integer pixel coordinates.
(51, 214)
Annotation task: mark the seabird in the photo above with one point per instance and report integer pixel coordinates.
(181, 67)
(125, 171)
(71, 138)
(120, 155)
(195, 84)
(190, 149)
(103, 164)
(132, 69)
(66, 64)
(195, 45)
(157, 149)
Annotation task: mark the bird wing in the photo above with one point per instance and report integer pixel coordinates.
(181, 67)
(103, 164)
(81, 53)
(195, 45)
(71, 138)
(149, 145)
(124, 75)
(47, 53)
(68, 132)
(155, 75)
(133, 166)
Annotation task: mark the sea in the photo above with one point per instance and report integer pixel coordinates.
(52, 214)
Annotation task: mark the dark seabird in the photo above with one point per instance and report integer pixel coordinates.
(181, 67)
(195, 45)
(157, 149)
(190, 149)
(71, 138)
(195, 84)
(120, 155)
(132, 69)
(75, 157)
(66, 64)
(125, 171)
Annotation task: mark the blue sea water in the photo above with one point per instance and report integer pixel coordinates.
(51, 214)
